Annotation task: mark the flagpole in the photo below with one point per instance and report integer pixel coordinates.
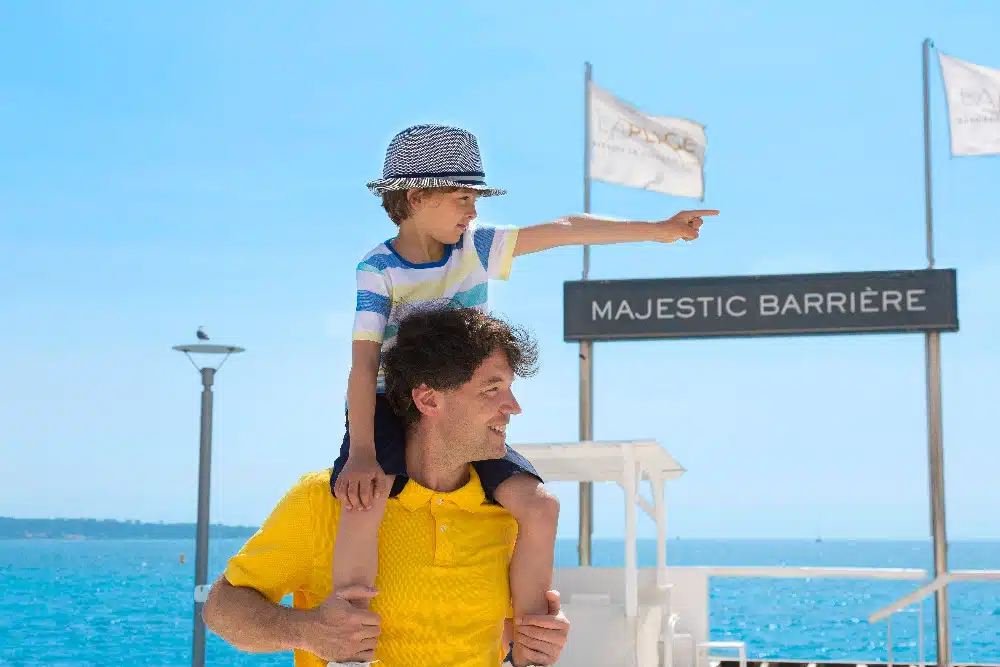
(586, 348)
(935, 446)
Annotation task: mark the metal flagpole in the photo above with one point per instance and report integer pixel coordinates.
(586, 349)
(935, 447)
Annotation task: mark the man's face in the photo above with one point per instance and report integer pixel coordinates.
(474, 417)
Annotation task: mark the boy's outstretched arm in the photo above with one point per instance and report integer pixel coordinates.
(593, 230)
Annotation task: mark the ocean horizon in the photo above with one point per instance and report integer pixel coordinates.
(110, 528)
(129, 601)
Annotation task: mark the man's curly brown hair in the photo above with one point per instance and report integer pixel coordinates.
(443, 347)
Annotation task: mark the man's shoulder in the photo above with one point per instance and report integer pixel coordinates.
(313, 487)
(315, 478)
(310, 499)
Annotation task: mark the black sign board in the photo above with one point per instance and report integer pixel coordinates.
(832, 303)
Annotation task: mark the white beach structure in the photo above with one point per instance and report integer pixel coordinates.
(626, 615)
(658, 616)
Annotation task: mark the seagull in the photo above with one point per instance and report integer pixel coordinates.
(201, 334)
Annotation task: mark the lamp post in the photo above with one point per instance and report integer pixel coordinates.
(204, 486)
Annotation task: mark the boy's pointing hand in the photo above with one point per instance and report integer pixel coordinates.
(684, 225)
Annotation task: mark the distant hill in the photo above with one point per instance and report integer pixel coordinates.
(109, 529)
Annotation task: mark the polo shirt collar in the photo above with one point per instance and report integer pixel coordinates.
(469, 497)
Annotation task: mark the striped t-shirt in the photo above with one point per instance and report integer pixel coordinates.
(387, 282)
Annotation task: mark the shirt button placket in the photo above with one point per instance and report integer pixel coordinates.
(445, 550)
(440, 544)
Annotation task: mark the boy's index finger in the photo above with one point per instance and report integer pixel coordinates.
(706, 212)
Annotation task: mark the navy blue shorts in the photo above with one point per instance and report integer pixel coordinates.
(390, 452)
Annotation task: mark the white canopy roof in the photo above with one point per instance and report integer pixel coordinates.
(600, 461)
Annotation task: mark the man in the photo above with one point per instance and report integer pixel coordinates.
(442, 596)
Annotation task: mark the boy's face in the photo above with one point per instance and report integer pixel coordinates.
(444, 216)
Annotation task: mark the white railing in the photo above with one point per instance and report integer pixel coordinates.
(918, 596)
(809, 572)
(685, 642)
(701, 650)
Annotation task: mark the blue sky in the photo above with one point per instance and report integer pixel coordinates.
(204, 164)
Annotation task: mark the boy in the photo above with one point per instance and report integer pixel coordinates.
(432, 176)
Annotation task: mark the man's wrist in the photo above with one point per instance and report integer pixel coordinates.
(293, 628)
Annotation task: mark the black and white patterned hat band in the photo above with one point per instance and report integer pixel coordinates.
(433, 156)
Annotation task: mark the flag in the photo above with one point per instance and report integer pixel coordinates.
(638, 150)
(973, 94)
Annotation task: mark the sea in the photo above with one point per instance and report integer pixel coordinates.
(129, 602)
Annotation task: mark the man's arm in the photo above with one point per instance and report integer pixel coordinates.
(591, 230)
(249, 621)
(244, 606)
(334, 631)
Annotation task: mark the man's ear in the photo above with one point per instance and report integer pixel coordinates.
(427, 400)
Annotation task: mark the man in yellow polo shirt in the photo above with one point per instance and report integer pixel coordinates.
(441, 597)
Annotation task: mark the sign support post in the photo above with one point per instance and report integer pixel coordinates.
(935, 444)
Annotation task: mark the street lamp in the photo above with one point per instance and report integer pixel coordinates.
(204, 486)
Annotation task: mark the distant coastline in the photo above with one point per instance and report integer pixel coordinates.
(113, 529)
(109, 529)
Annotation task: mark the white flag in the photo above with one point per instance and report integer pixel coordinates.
(973, 93)
(637, 150)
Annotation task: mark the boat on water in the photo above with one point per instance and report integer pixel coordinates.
(658, 616)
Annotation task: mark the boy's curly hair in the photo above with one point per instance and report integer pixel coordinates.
(443, 347)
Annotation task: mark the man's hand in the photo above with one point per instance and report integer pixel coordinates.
(361, 481)
(542, 638)
(337, 631)
(684, 225)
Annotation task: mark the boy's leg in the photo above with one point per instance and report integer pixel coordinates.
(537, 514)
(355, 554)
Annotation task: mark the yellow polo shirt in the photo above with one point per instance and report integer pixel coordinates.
(442, 578)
